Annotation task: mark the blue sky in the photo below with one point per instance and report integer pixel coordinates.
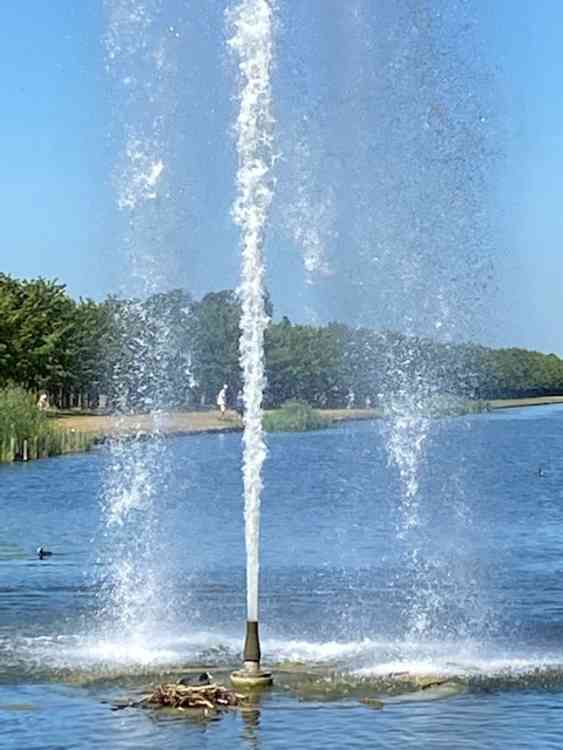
(348, 100)
(527, 50)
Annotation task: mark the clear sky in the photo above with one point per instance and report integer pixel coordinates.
(526, 48)
(419, 183)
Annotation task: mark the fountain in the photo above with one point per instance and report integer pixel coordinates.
(252, 21)
(400, 558)
(140, 57)
(401, 248)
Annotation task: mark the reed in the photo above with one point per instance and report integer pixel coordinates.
(26, 433)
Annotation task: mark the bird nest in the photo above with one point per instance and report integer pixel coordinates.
(206, 698)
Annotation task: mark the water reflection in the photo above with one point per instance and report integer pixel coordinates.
(335, 586)
(251, 716)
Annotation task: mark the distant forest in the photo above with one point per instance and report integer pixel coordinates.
(172, 350)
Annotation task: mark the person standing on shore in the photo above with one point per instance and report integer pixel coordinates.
(222, 400)
(43, 402)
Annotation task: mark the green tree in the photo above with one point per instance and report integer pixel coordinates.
(303, 363)
(36, 320)
(216, 321)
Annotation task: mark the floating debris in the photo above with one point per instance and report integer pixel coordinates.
(206, 698)
(425, 681)
(373, 703)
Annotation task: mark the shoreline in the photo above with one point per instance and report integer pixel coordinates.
(513, 403)
(173, 424)
(104, 427)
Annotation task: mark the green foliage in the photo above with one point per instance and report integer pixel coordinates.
(515, 373)
(216, 333)
(171, 351)
(294, 416)
(148, 351)
(448, 405)
(36, 317)
(47, 340)
(304, 363)
(20, 420)
(19, 416)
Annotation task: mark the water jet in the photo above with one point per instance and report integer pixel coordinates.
(252, 41)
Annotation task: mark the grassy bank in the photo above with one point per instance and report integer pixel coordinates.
(294, 416)
(513, 403)
(26, 433)
(197, 422)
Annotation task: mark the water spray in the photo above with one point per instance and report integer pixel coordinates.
(252, 42)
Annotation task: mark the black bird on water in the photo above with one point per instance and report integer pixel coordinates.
(42, 553)
(192, 681)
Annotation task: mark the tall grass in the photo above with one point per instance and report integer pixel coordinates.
(294, 416)
(448, 405)
(27, 432)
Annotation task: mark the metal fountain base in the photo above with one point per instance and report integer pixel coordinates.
(251, 677)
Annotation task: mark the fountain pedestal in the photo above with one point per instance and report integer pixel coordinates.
(251, 676)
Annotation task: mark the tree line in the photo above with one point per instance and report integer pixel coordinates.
(172, 350)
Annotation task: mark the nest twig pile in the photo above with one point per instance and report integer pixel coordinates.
(207, 698)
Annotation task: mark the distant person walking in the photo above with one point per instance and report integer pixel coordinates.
(222, 399)
(43, 402)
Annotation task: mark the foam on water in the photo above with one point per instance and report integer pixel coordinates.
(105, 654)
(377, 658)
(367, 660)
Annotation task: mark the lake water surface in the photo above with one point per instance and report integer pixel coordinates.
(349, 593)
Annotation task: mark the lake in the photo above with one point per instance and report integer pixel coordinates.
(350, 593)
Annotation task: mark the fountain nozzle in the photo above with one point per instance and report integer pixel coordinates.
(252, 644)
(251, 676)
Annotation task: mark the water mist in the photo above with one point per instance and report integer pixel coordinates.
(140, 61)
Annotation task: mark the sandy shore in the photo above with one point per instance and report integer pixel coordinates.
(183, 423)
(174, 423)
